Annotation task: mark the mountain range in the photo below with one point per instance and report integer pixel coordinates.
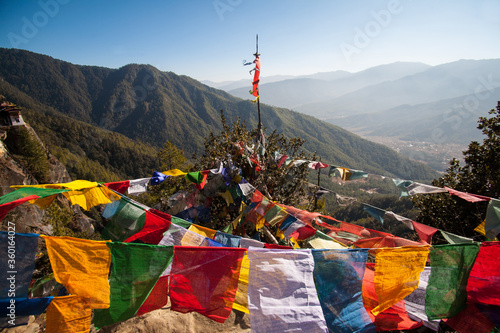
(415, 108)
(138, 104)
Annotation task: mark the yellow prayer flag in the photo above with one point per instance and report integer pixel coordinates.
(241, 299)
(68, 314)
(174, 173)
(480, 230)
(228, 197)
(204, 231)
(260, 223)
(397, 273)
(82, 266)
(91, 197)
(278, 218)
(84, 193)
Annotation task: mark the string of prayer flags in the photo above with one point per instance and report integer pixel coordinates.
(467, 196)
(446, 292)
(205, 280)
(397, 272)
(482, 286)
(17, 262)
(292, 306)
(136, 269)
(82, 266)
(424, 231)
(492, 221)
(68, 314)
(338, 276)
(415, 302)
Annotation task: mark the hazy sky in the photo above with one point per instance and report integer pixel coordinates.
(208, 40)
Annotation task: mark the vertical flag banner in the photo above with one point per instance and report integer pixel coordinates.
(338, 275)
(292, 304)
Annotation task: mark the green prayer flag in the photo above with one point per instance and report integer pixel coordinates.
(455, 239)
(195, 177)
(23, 192)
(180, 222)
(135, 270)
(446, 293)
(126, 219)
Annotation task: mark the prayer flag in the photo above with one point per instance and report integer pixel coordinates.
(293, 304)
(482, 286)
(68, 314)
(397, 273)
(82, 266)
(205, 280)
(338, 276)
(446, 292)
(155, 225)
(425, 232)
(136, 269)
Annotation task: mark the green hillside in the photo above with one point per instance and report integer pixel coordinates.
(151, 107)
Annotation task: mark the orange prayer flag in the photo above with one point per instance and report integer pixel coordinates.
(68, 314)
(82, 266)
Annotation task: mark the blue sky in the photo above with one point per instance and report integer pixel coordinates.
(208, 40)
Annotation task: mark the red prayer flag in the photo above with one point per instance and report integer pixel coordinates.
(256, 75)
(205, 280)
(303, 233)
(467, 196)
(425, 232)
(120, 187)
(7, 207)
(482, 286)
(156, 224)
(158, 297)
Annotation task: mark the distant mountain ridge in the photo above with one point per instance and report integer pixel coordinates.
(150, 106)
(315, 88)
